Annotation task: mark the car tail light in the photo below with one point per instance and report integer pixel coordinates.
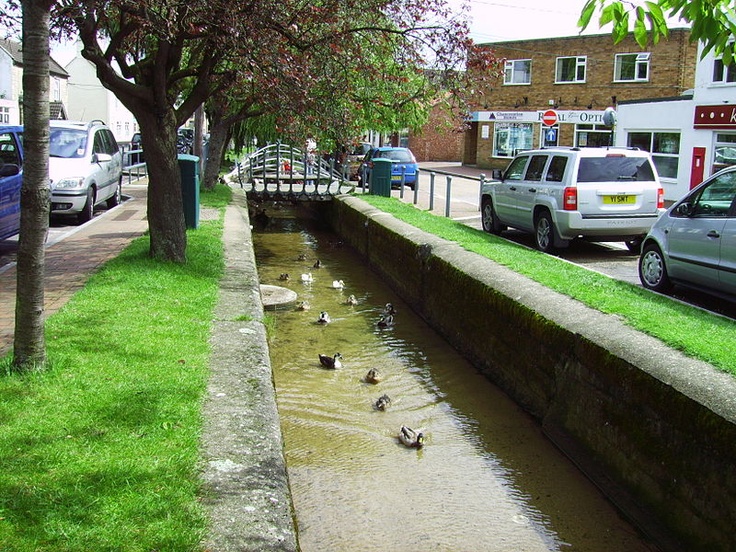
(660, 198)
(570, 199)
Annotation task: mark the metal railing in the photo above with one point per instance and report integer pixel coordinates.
(133, 167)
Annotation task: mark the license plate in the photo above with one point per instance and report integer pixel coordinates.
(619, 199)
(395, 178)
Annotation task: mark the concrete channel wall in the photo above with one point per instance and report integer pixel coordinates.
(653, 428)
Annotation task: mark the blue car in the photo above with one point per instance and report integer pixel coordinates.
(403, 164)
(11, 178)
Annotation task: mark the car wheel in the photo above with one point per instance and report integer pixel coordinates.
(88, 210)
(489, 220)
(544, 233)
(652, 270)
(634, 245)
(116, 198)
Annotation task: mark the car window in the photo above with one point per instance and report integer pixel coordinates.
(67, 142)
(556, 170)
(536, 168)
(716, 198)
(516, 168)
(112, 145)
(99, 143)
(8, 149)
(615, 169)
(402, 156)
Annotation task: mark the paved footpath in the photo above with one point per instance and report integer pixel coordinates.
(71, 261)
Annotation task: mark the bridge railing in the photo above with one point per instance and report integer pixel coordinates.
(280, 171)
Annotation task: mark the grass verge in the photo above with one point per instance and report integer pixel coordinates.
(99, 451)
(696, 333)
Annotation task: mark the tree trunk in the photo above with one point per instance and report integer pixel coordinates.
(165, 205)
(29, 347)
(215, 152)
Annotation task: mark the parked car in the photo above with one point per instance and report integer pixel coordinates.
(136, 146)
(85, 167)
(562, 194)
(403, 164)
(185, 141)
(355, 158)
(11, 178)
(694, 243)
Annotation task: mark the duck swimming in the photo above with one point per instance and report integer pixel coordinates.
(331, 362)
(324, 318)
(302, 257)
(317, 264)
(386, 321)
(338, 284)
(307, 278)
(351, 300)
(383, 402)
(373, 376)
(389, 310)
(411, 438)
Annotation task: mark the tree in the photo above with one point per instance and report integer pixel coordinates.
(29, 347)
(164, 58)
(712, 21)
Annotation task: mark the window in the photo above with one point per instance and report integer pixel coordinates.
(593, 136)
(511, 138)
(664, 147)
(632, 67)
(518, 71)
(723, 74)
(556, 171)
(536, 168)
(516, 169)
(724, 151)
(5, 115)
(55, 90)
(570, 69)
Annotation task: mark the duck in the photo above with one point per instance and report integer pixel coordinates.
(351, 300)
(330, 362)
(317, 264)
(338, 284)
(386, 321)
(302, 257)
(324, 318)
(284, 276)
(383, 402)
(410, 438)
(373, 376)
(307, 278)
(302, 306)
(389, 310)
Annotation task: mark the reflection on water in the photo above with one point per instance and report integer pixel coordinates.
(486, 480)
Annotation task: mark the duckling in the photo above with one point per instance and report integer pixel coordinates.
(351, 300)
(307, 278)
(302, 306)
(386, 321)
(383, 402)
(411, 438)
(317, 264)
(324, 318)
(331, 362)
(338, 284)
(389, 310)
(284, 276)
(302, 257)
(373, 376)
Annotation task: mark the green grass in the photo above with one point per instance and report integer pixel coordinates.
(99, 451)
(696, 333)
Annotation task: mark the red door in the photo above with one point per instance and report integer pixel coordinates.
(697, 170)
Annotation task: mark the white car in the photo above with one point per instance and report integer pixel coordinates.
(85, 167)
(561, 194)
(694, 243)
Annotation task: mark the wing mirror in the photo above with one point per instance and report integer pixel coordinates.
(497, 174)
(9, 169)
(685, 209)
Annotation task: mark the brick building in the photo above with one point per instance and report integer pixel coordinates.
(573, 80)
(441, 139)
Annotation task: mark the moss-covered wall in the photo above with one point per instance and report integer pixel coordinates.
(655, 429)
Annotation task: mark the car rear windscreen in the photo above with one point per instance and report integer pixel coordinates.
(402, 156)
(615, 169)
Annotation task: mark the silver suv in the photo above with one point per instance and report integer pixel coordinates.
(85, 166)
(560, 194)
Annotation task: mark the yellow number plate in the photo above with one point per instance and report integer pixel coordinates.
(619, 199)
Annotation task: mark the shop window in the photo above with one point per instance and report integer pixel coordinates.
(570, 69)
(518, 71)
(664, 147)
(511, 138)
(632, 67)
(724, 154)
(593, 136)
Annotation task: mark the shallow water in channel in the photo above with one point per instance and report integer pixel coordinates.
(486, 479)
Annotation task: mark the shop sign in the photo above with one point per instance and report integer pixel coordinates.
(715, 116)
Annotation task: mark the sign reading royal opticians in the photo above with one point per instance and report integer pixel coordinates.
(715, 116)
(573, 117)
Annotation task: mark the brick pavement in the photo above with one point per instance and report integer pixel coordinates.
(71, 260)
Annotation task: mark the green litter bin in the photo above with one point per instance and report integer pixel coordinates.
(189, 170)
(380, 177)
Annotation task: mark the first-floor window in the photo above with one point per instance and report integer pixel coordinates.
(664, 147)
(5, 115)
(511, 138)
(593, 136)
